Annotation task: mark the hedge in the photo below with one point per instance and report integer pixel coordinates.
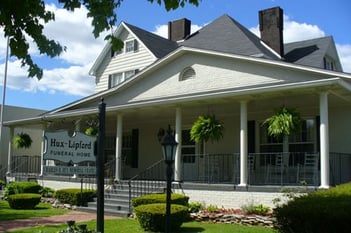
(152, 217)
(21, 187)
(160, 198)
(323, 211)
(23, 200)
(74, 196)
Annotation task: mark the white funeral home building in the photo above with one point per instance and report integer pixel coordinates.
(226, 71)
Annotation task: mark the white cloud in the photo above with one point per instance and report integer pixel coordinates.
(344, 52)
(294, 31)
(73, 30)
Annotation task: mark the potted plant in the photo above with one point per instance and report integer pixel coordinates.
(284, 122)
(206, 128)
(22, 140)
(91, 131)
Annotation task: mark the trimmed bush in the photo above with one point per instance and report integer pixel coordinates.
(24, 200)
(323, 211)
(21, 187)
(152, 217)
(160, 198)
(74, 196)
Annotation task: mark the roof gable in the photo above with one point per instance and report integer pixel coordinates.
(312, 52)
(227, 35)
(156, 45)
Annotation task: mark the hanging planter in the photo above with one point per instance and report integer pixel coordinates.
(91, 131)
(284, 122)
(21, 140)
(206, 128)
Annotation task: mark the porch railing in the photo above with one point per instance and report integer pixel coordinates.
(151, 180)
(293, 168)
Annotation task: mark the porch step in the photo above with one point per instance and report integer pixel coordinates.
(116, 197)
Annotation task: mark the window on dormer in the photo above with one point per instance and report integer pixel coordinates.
(329, 64)
(131, 46)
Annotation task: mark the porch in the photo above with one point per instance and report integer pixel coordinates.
(270, 169)
(277, 169)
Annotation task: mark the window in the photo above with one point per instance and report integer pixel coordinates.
(131, 46)
(187, 73)
(118, 78)
(304, 141)
(115, 79)
(328, 63)
(188, 147)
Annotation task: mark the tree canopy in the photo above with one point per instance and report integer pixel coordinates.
(21, 19)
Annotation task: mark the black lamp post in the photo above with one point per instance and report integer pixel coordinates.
(169, 146)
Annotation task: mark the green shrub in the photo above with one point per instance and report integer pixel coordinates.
(152, 217)
(23, 200)
(255, 209)
(322, 211)
(21, 187)
(47, 192)
(212, 208)
(195, 207)
(74, 196)
(160, 198)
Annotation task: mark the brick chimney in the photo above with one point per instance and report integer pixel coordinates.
(179, 29)
(271, 28)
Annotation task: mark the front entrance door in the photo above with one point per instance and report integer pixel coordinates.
(189, 159)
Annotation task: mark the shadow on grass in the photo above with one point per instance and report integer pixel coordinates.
(191, 229)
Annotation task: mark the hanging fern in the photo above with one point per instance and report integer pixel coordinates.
(21, 140)
(284, 122)
(206, 128)
(91, 131)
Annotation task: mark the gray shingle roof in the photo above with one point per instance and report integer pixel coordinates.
(308, 52)
(158, 45)
(227, 35)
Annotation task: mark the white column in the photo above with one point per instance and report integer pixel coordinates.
(324, 140)
(76, 129)
(243, 143)
(42, 149)
(9, 153)
(119, 134)
(178, 170)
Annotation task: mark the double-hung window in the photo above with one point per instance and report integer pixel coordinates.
(118, 78)
(131, 46)
(115, 79)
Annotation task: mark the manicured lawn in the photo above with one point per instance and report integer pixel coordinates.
(114, 225)
(132, 226)
(41, 210)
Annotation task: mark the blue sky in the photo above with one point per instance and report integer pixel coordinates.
(66, 78)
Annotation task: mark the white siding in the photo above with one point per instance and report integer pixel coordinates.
(212, 74)
(122, 62)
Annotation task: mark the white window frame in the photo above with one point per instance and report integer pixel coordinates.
(130, 46)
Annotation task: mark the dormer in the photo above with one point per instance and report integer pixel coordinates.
(141, 48)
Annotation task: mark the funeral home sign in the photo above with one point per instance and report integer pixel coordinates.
(59, 145)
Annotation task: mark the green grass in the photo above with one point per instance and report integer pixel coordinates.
(132, 226)
(41, 210)
(122, 225)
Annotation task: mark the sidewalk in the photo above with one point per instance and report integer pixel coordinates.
(52, 220)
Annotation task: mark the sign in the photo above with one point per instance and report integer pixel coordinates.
(73, 149)
(79, 170)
